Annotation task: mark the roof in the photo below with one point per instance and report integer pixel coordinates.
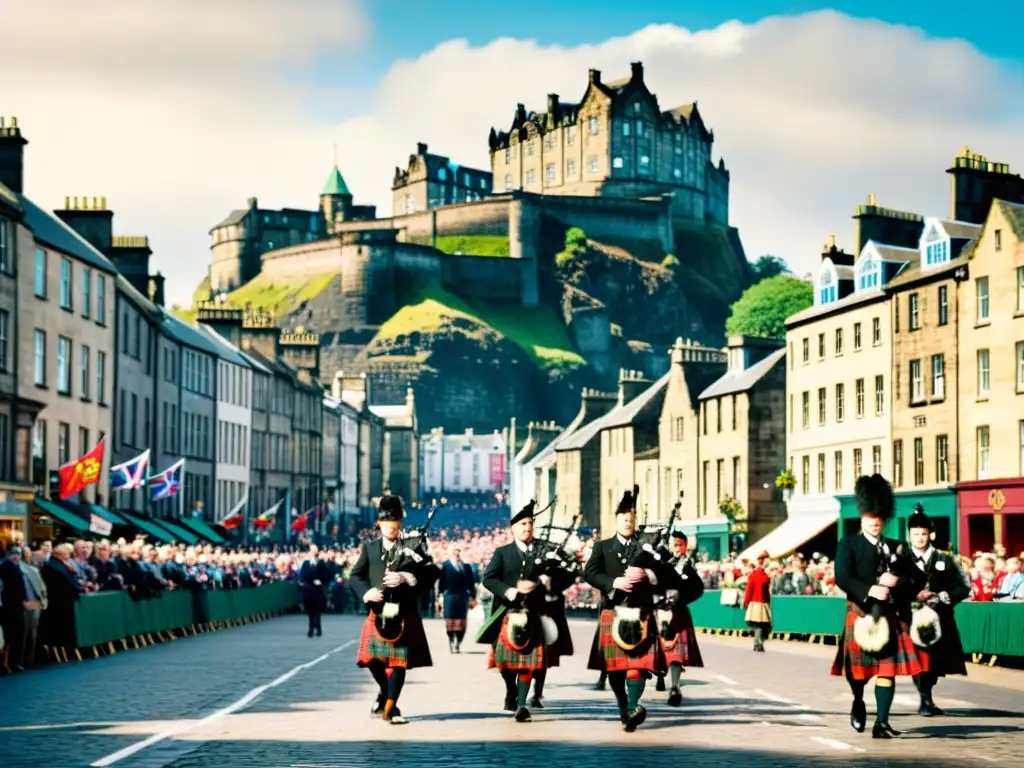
(741, 381)
(960, 230)
(50, 230)
(9, 197)
(621, 417)
(225, 349)
(183, 333)
(824, 310)
(894, 253)
(335, 184)
(1014, 213)
(912, 273)
(235, 217)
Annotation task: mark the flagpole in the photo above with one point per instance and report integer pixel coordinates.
(181, 493)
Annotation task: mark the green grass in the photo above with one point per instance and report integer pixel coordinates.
(537, 330)
(278, 295)
(477, 245)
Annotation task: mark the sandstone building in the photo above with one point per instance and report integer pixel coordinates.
(431, 181)
(466, 463)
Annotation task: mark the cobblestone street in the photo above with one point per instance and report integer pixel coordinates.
(266, 695)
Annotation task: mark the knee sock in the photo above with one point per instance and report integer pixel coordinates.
(924, 683)
(396, 679)
(538, 682)
(510, 684)
(676, 669)
(635, 684)
(856, 686)
(381, 678)
(617, 682)
(523, 687)
(758, 635)
(885, 692)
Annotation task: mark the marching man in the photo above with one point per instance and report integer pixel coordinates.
(680, 646)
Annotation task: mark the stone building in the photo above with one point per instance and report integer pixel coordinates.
(401, 448)
(466, 463)
(523, 478)
(616, 141)
(431, 181)
(356, 392)
(341, 466)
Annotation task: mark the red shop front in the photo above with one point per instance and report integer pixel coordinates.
(991, 513)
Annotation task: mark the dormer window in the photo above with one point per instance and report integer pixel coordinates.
(868, 273)
(827, 288)
(935, 250)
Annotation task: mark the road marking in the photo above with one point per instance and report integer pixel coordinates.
(842, 746)
(773, 697)
(726, 680)
(243, 702)
(808, 716)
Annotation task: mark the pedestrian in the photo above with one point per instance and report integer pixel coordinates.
(677, 635)
(758, 601)
(314, 575)
(13, 608)
(458, 587)
(933, 628)
(392, 579)
(879, 580)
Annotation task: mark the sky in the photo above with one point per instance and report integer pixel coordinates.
(178, 112)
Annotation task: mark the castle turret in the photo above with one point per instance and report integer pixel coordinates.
(335, 199)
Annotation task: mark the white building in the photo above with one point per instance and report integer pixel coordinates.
(347, 497)
(234, 427)
(528, 474)
(465, 463)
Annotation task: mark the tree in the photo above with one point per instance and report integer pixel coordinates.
(763, 308)
(568, 260)
(769, 266)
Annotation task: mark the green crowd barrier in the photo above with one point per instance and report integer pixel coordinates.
(107, 617)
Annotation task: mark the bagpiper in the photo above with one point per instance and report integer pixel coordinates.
(933, 628)
(626, 642)
(555, 610)
(676, 633)
(519, 630)
(458, 585)
(879, 580)
(392, 578)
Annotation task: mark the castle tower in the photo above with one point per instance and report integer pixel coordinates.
(335, 199)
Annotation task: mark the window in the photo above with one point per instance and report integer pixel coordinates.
(806, 409)
(5, 266)
(821, 406)
(65, 283)
(983, 462)
(39, 278)
(592, 164)
(5, 330)
(839, 342)
(101, 300)
(64, 365)
(821, 346)
(549, 171)
(916, 385)
(858, 462)
(83, 441)
(983, 373)
(821, 473)
(867, 273)
(645, 164)
(897, 463)
(981, 289)
(839, 469)
(86, 291)
(941, 459)
(806, 474)
(856, 337)
(508, 182)
(840, 402)
(39, 359)
(860, 397)
(84, 385)
(570, 169)
(508, 156)
(101, 377)
(593, 125)
(998, 238)
(827, 291)
(879, 395)
(936, 253)
(617, 162)
(876, 459)
(939, 376)
(915, 319)
(944, 303)
(63, 443)
(1020, 365)
(876, 331)
(918, 461)
(807, 350)
(896, 314)
(570, 134)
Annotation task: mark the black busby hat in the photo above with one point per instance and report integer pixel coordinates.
(390, 509)
(627, 504)
(874, 496)
(523, 513)
(677, 534)
(919, 519)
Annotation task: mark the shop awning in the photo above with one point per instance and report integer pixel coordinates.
(717, 524)
(797, 530)
(183, 534)
(62, 515)
(107, 514)
(146, 526)
(203, 529)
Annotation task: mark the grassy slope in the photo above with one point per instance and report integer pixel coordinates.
(478, 245)
(275, 295)
(538, 330)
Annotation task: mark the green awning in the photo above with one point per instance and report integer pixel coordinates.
(712, 526)
(154, 530)
(107, 514)
(183, 534)
(65, 516)
(202, 528)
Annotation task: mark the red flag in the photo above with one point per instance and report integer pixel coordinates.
(75, 475)
(300, 522)
(231, 521)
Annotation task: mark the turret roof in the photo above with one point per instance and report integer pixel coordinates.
(335, 184)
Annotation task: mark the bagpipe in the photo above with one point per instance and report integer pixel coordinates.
(411, 552)
(872, 631)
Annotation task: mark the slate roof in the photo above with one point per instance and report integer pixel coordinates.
(237, 216)
(9, 197)
(224, 348)
(51, 231)
(823, 310)
(549, 450)
(959, 230)
(742, 381)
(625, 413)
(1014, 212)
(620, 417)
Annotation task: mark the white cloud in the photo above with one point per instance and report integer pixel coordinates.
(178, 118)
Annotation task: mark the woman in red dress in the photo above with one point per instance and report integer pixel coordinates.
(757, 600)
(986, 581)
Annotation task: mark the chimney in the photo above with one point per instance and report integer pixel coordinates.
(410, 400)
(252, 203)
(631, 384)
(594, 76)
(975, 182)
(637, 72)
(259, 332)
(675, 354)
(885, 225)
(224, 319)
(553, 104)
(12, 155)
(301, 350)
(594, 405)
(520, 112)
(130, 255)
(90, 218)
(421, 148)
(354, 390)
(839, 257)
(155, 289)
(745, 351)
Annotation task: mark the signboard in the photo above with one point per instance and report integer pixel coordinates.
(497, 469)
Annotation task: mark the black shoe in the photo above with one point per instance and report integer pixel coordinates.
(378, 707)
(523, 715)
(883, 731)
(859, 716)
(536, 702)
(600, 686)
(396, 717)
(310, 633)
(636, 718)
(928, 709)
(675, 698)
(661, 684)
(510, 704)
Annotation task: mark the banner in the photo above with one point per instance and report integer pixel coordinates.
(234, 517)
(168, 482)
(267, 518)
(76, 475)
(497, 469)
(98, 525)
(131, 474)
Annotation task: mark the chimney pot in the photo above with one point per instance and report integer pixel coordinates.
(421, 148)
(552, 104)
(594, 76)
(637, 69)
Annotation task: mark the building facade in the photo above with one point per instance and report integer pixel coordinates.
(401, 447)
(466, 463)
(430, 181)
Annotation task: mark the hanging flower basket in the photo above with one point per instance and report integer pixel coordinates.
(732, 509)
(786, 480)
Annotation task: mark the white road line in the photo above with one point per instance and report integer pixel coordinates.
(842, 746)
(773, 697)
(243, 702)
(808, 716)
(726, 680)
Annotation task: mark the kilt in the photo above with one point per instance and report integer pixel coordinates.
(682, 647)
(563, 645)
(504, 657)
(456, 609)
(898, 659)
(946, 657)
(759, 613)
(606, 656)
(410, 651)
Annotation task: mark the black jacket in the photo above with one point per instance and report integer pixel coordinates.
(371, 566)
(857, 570)
(608, 562)
(510, 565)
(943, 574)
(457, 581)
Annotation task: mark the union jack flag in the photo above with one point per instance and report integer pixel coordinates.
(131, 474)
(168, 482)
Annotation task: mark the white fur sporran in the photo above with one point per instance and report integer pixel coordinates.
(518, 630)
(628, 631)
(871, 634)
(550, 630)
(925, 627)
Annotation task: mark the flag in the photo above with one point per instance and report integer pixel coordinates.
(234, 517)
(267, 518)
(131, 474)
(98, 525)
(168, 482)
(75, 475)
(302, 521)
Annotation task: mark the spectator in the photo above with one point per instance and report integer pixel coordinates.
(63, 588)
(36, 602)
(1011, 586)
(14, 595)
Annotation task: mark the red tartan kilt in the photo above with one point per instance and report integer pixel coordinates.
(410, 651)
(900, 659)
(682, 648)
(606, 656)
(506, 658)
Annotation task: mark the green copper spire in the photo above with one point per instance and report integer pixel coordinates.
(335, 184)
